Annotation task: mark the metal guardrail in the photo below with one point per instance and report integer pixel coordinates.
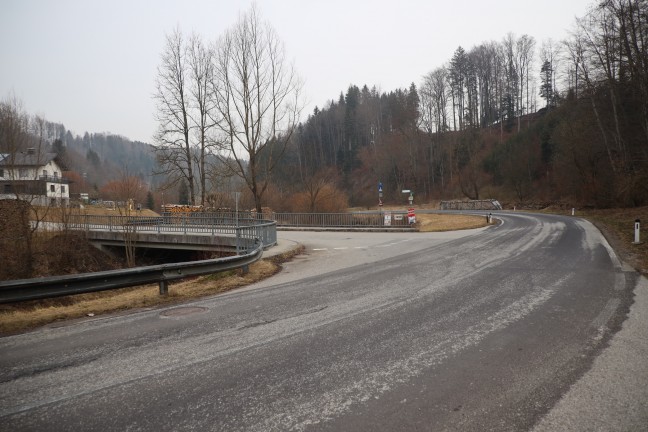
(246, 230)
(488, 204)
(56, 286)
(342, 220)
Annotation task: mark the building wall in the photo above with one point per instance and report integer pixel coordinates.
(52, 190)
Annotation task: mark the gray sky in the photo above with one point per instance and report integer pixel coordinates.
(91, 64)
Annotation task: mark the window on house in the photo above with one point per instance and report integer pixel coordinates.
(55, 173)
(52, 188)
(45, 173)
(22, 172)
(7, 189)
(1, 173)
(62, 189)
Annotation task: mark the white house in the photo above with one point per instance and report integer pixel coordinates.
(33, 177)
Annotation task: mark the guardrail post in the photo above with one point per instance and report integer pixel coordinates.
(164, 287)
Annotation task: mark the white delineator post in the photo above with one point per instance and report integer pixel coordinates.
(636, 231)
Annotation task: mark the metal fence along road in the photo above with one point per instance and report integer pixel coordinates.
(247, 230)
(489, 204)
(56, 286)
(398, 219)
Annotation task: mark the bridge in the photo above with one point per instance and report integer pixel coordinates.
(204, 231)
(244, 237)
(223, 231)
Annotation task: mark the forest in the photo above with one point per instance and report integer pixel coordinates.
(521, 121)
(566, 124)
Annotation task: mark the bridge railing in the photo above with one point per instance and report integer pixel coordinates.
(245, 229)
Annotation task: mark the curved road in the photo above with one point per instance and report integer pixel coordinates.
(478, 330)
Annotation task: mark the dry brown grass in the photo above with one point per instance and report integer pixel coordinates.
(448, 222)
(17, 318)
(618, 227)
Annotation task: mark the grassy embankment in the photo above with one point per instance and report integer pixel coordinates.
(617, 225)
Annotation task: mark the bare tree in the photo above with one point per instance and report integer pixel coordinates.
(523, 58)
(257, 97)
(510, 100)
(21, 141)
(202, 103)
(174, 147)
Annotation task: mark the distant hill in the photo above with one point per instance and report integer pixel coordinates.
(102, 157)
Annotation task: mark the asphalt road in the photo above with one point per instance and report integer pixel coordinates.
(489, 329)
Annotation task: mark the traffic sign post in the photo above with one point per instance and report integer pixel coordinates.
(380, 195)
(411, 197)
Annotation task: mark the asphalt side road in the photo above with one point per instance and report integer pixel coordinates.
(530, 325)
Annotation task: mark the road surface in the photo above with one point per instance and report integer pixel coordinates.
(480, 330)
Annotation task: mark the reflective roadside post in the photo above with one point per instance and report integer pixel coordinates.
(637, 227)
(380, 196)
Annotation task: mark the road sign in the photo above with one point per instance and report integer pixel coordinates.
(406, 191)
(388, 218)
(411, 216)
(380, 187)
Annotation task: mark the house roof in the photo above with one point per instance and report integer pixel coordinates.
(24, 159)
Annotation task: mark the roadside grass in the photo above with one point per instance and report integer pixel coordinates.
(28, 315)
(448, 222)
(617, 225)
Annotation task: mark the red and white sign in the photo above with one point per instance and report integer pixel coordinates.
(411, 216)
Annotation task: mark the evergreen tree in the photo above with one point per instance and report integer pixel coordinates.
(546, 79)
(150, 202)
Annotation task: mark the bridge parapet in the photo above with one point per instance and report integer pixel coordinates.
(195, 231)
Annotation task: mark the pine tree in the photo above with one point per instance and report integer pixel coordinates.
(150, 202)
(546, 86)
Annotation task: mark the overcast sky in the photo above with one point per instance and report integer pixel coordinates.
(91, 65)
